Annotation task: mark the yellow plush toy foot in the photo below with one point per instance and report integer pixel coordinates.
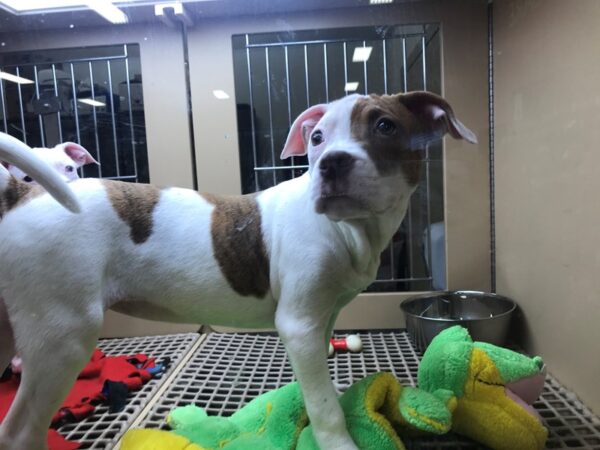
(156, 440)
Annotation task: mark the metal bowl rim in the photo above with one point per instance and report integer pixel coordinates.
(440, 293)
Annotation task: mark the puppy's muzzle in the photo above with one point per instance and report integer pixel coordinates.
(336, 166)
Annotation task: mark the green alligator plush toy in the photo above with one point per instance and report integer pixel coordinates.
(494, 388)
(378, 411)
(474, 389)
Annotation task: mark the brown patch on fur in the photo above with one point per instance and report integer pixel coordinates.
(134, 203)
(17, 193)
(238, 243)
(388, 153)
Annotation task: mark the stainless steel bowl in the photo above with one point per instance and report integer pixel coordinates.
(486, 316)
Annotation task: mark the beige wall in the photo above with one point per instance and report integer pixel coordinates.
(547, 185)
(464, 68)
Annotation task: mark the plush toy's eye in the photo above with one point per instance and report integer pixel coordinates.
(385, 127)
(27, 179)
(69, 168)
(316, 138)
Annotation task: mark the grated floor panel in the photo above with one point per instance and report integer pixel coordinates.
(102, 430)
(229, 370)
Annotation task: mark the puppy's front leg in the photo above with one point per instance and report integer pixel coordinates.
(302, 333)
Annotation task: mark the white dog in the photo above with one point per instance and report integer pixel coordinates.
(65, 158)
(289, 257)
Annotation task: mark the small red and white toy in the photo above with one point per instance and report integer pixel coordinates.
(351, 343)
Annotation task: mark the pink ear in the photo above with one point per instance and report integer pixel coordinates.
(77, 153)
(295, 145)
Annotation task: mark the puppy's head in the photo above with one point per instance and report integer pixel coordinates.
(65, 158)
(365, 152)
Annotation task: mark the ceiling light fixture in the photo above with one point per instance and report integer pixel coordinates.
(221, 95)
(351, 86)
(107, 10)
(20, 6)
(14, 78)
(380, 2)
(91, 102)
(361, 54)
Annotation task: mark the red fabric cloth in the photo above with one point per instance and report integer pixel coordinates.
(87, 390)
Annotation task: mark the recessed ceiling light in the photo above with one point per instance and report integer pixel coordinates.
(351, 86)
(91, 102)
(107, 10)
(221, 95)
(32, 5)
(361, 54)
(14, 78)
(103, 7)
(380, 2)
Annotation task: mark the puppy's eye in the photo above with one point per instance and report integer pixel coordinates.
(316, 138)
(69, 168)
(27, 179)
(385, 127)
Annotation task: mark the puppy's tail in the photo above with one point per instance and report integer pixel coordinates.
(16, 152)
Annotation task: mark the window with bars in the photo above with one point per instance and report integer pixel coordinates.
(89, 95)
(279, 75)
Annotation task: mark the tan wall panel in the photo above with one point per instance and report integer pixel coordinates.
(547, 183)
(464, 67)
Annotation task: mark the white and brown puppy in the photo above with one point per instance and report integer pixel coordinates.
(65, 158)
(289, 257)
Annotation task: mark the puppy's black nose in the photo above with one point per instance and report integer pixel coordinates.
(336, 165)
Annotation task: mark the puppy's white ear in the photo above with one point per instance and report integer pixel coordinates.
(77, 153)
(437, 117)
(295, 145)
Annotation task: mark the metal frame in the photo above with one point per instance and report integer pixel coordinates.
(492, 158)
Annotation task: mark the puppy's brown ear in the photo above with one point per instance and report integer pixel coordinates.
(436, 116)
(295, 145)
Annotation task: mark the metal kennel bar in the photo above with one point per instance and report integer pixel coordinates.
(253, 126)
(275, 100)
(229, 370)
(21, 108)
(67, 120)
(3, 104)
(94, 115)
(37, 95)
(409, 212)
(60, 133)
(130, 108)
(75, 103)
